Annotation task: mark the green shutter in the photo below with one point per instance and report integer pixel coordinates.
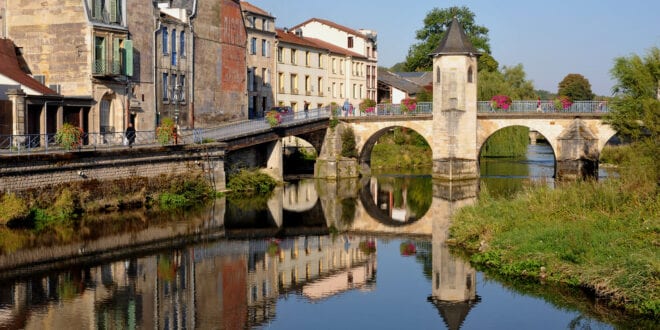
(113, 11)
(128, 63)
(97, 9)
(116, 53)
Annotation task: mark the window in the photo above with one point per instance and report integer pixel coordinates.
(97, 9)
(250, 74)
(293, 56)
(354, 95)
(253, 46)
(99, 55)
(114, 11)
(105, 116)
(165, 91)
(308, 85)
(173, 81)
(280, 81)
(307, 58)
(334, 90)
(251, 21)
(360, 92)
(165, 40)
(294, 107)
(266, 26)
(341, 90)
(267, 48)
(334, 65)
(254, 81)
(341, 66)
(319, 83)
(264, 47)
(294, 84)
(320, 61)
(182, 85)
(350, 42)
(265, 76)
(182, 44)
(470, 74)
(279, 54)
(173, 47)
(437, 74)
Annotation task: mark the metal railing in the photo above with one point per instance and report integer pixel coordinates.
(547, 106)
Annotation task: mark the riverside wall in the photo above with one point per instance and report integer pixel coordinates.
(32, 171)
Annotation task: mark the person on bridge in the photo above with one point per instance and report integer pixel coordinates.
(130, 135)
(346, 107)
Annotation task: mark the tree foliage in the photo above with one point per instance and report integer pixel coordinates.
(576, 87)
(436, 23)
(510, 81)
(636, 104)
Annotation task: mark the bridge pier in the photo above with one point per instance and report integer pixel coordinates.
(577, 153)
(330, 164)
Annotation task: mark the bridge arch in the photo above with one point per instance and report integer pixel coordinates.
(368, 133)
(489, 130)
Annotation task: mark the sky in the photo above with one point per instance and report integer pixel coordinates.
(549, 38)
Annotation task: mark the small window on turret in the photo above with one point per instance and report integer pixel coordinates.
(437, 75)
(470, 74)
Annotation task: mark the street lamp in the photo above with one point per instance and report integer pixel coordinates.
(176, 97)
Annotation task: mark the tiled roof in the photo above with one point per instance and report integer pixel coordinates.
(10, 68)
(332, 24)
(455, 42)
(423, 78)
(336, 49)
(292, 38)
(246, 6)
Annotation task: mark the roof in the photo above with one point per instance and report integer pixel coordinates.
(422, 78)
(10, 67)
(246, 6)
(332, 24)
(291, 38)
(455, 42)
(398, 82)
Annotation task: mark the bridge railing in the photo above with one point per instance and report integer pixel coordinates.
(547, 106)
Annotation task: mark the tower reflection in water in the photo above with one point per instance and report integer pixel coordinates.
(230, 282)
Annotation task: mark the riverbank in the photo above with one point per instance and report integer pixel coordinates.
(603, 237)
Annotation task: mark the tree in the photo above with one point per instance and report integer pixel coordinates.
(398, 67)
(636, 102)
(510, 81)
(576, 87)
(436, 23)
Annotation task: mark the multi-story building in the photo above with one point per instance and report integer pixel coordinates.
(301, 71)
(260, 27)
(80, 49)
(360, 70)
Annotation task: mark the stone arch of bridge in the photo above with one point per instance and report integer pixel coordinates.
(485, 132)
(367, 138)
(373, 210)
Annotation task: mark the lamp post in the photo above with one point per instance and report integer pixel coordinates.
(176, 96)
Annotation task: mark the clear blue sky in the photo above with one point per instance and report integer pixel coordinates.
(549, 38)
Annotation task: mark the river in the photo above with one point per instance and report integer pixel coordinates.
(350, 254)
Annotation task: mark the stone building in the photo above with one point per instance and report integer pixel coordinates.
(80, 49)
(301, 71)
(260, 60)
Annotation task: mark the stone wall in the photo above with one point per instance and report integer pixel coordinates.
(39, 170)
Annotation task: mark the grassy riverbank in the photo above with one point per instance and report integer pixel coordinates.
(401, 149)
(602, 236)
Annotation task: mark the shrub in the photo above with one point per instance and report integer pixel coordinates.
(500, 102)
(562, 103)
(12, 207)
(69, 136)
(273, 118)
(251, 182)
(166, 132)
(367, 105)
(408, 104)
(348, 145)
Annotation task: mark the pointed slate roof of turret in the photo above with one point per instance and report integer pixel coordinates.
(455, 42)
(454, 313)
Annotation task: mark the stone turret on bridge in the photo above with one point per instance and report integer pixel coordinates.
(455, 107)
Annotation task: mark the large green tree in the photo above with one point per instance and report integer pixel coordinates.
(636, 103)
(511, 81)
(576, 87)
(436, 23)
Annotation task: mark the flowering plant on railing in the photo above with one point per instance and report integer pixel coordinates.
(367, 104)
(273, 118)
(408, 104)
(562, 102)
(500, 102)
(69, 136)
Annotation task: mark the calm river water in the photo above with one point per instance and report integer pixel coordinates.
(352, 254)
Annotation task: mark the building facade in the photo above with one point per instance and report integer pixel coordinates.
(260, 27)
(301, 71)
(360, 70)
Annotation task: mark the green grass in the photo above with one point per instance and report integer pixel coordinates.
(601, 236)
(251, 182)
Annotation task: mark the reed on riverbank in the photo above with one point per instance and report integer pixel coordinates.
(600, 236)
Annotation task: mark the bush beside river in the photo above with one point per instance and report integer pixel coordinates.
(600, 236)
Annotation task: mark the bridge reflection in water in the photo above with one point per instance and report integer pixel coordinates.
(229, 280)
